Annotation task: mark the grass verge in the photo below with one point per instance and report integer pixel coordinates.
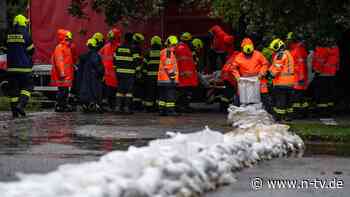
(320, 132)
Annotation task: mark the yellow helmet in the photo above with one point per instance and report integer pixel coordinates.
(248, 49)
(197, 43)
(69, 35)
(186, 36)
(98, 36)
(277, 44)
(91, 42)
(20, 20)
(171, 40)
(156, 40)
(138, 37)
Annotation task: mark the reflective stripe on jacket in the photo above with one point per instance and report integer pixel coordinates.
(19, 50)
(167, 67)
(187, 68)
(299, 53)
(282, 69)
(124, 62)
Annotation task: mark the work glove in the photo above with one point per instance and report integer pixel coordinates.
(172, 76)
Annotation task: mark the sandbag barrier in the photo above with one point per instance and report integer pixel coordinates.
(184, 165)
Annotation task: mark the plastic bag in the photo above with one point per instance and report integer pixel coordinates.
(249, 90)
(3, 62)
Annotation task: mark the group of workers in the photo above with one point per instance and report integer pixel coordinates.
(128, 77)
(162, 78)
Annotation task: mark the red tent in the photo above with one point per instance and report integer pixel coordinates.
(47, 16)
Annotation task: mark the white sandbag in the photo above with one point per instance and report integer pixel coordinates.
(249, 90)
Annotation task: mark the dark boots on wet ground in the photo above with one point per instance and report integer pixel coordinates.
(14, 111)
(128, 105)
(120, 105)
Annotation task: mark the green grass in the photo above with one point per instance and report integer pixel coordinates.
(321, 132)
(32, 105)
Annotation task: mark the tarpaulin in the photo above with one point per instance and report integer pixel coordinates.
(47, 16)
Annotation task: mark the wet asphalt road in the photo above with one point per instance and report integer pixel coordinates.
(46, 140)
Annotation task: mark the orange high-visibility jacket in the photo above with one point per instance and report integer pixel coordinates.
(319, 59)
(106, 54)
(187, 68)
(227, 70)
(282, 69)
(168, 67)
(331, 66)
(250, 66)
(62, 72)
(299, 53)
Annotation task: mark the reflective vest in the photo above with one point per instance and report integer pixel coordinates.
(106, 54)
(299, 53)
(123, 62)
(152, 62)
(187, 68)
(19, 50)
(167, 67)
(282, 69)
(249, 66)
(62, 63)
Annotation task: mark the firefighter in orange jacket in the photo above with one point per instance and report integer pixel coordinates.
(249, 62)
(62, 72)
(282, 69)
(299, 53)
(168, 77)
(325, 65)
(230, 83)
(110, 78)
(188, 78)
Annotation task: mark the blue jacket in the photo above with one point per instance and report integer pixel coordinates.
(20, 48)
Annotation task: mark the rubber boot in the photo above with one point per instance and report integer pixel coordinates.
(128, 104)
(23, 100)
(172, 112)
(112, 104)
(162, 111)
(120, 105)
(14, 110)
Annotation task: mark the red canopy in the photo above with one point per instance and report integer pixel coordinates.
(47, 16)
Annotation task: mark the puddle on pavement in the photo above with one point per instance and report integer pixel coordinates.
(327, 148)
(44, 141)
